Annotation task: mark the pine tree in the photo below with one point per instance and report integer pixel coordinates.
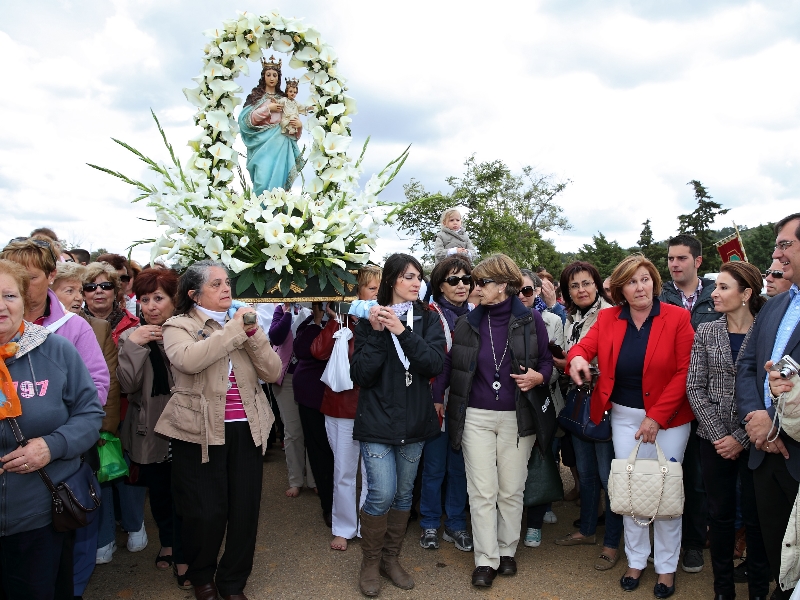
(698, 223)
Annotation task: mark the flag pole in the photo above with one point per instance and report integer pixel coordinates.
(741, 242)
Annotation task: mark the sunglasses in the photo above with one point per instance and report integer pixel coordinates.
(484, 281)
(775, 274)
(91, 287)
(527, 291)
(40, 243)
(453, 280)
(124, 278)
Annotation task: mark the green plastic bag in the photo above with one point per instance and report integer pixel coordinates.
(112, 465)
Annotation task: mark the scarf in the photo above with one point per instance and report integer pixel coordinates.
(401, 309)
(578, 319)
(10, 405)
(451, 311)
(539, 304)
(115, 316)
(161, 385)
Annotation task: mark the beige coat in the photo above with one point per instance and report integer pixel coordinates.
(200, 352)
(135, 374)
(102, 331)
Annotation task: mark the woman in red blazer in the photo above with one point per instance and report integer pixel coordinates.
(643, 348)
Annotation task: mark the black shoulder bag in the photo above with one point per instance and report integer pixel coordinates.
(76, 499)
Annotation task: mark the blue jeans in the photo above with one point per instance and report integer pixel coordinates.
(440, 458)
(594, 465)
(131, 503)
(391, 471)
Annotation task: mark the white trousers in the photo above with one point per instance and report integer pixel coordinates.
(346, 454)
(625, 422)
(496, 462)
(293, 442)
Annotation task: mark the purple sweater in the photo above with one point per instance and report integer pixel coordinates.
(308, 389)
(81, 334)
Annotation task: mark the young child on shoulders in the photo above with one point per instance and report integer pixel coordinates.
(452, 238)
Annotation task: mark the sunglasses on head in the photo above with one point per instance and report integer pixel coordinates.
(91, 287)
(527, 291)
(40, 243)
(453, 280)
(775, 274)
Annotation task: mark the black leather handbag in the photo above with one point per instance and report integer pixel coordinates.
(544, 484)
(575, 417)
(76, 499)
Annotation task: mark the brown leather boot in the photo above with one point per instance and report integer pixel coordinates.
(390, 564)
(373, 531)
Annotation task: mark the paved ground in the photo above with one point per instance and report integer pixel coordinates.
(293, 560)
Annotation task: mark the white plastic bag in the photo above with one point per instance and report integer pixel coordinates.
(337, 372)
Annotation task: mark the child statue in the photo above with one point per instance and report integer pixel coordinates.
(291, 108)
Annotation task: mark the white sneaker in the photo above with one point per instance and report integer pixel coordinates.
(137, 540)
(550, 517)
(105, 554)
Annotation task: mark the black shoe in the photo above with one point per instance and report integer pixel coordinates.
(508, 566)
(740, 572)
(328, 518)
(601, 520)
(629, 583)
(661, 590)
(483, 576)
(692, 561)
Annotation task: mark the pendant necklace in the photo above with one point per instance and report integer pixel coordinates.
(496, 385)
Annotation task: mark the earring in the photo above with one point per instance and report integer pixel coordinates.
(744, 303)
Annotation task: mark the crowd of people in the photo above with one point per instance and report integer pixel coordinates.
(434, 389)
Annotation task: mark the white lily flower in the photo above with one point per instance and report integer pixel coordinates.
(204, 164)
(243, 241)
(296, 25)
(314, 186)
(228, 49)
(336, 244)
(213, 69)
(218, 119)
(252, 215)
(213, 247)
(307, 77)
(334, 144)
(229, 103)
(296, 222)
(282, 218)
(319, 79)
(327, 54)
(332, 87)
(283, 44)
(332, 175)
(222, 86)
(320, 223)
(313, 36)
(319, 162)
(306, 54)
(350, 106)
(344, 120)
(242, 45)
(220, 152)
(289, 240)
(336, 128)
(296, 64)
(272, 232)
(316, 238)
(332, 72)
(196, 96)
(213, 33)
(222, 175)
(334, 110)
(241, 65)
(318, 133)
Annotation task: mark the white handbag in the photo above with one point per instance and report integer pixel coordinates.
(646, 487)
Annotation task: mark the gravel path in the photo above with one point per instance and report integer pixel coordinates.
(293, 560)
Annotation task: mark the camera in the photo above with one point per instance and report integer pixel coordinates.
(249, 318)
(787, 367)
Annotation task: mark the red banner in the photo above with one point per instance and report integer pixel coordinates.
(732, 250)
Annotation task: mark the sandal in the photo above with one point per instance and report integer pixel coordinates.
(183, 581)
(164, 558)
(604, 562)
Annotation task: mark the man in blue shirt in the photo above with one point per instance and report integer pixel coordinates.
(775, 463)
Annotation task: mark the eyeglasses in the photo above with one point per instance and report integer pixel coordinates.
(40, 243)
(410, 277)
(527, 291)
(775, 274)
(454, 280)
(784, 245)
(92, 287)
(483, 282)
(125, 278)
(583, 284)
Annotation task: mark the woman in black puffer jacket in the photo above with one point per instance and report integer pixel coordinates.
(397, 351)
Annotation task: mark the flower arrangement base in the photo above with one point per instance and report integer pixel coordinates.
(311, 293)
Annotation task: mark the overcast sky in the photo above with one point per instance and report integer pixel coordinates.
(628, 99)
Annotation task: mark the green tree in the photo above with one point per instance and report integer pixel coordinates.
(505, 212)
(759, 244)
(93, 255)
(655, 252)
(603, 254)
(698, 223)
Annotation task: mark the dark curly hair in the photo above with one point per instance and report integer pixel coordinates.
(576, 267)
(261, 89)
(449, 266)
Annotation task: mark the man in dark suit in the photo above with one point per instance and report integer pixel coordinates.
(775, 464)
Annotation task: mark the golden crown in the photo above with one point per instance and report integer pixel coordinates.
(267, 64)
(292, 82)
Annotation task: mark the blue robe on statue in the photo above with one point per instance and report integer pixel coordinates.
(273, 158)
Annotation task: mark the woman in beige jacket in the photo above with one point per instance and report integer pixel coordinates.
(219, 420)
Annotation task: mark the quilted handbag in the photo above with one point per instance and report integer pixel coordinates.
(575, 416)
(646, 487)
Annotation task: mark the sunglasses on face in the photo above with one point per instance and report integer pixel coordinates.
(124, 278)
(528, 291)
(484, 281)
(775, 274)
(453, 280)
(91, 287)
